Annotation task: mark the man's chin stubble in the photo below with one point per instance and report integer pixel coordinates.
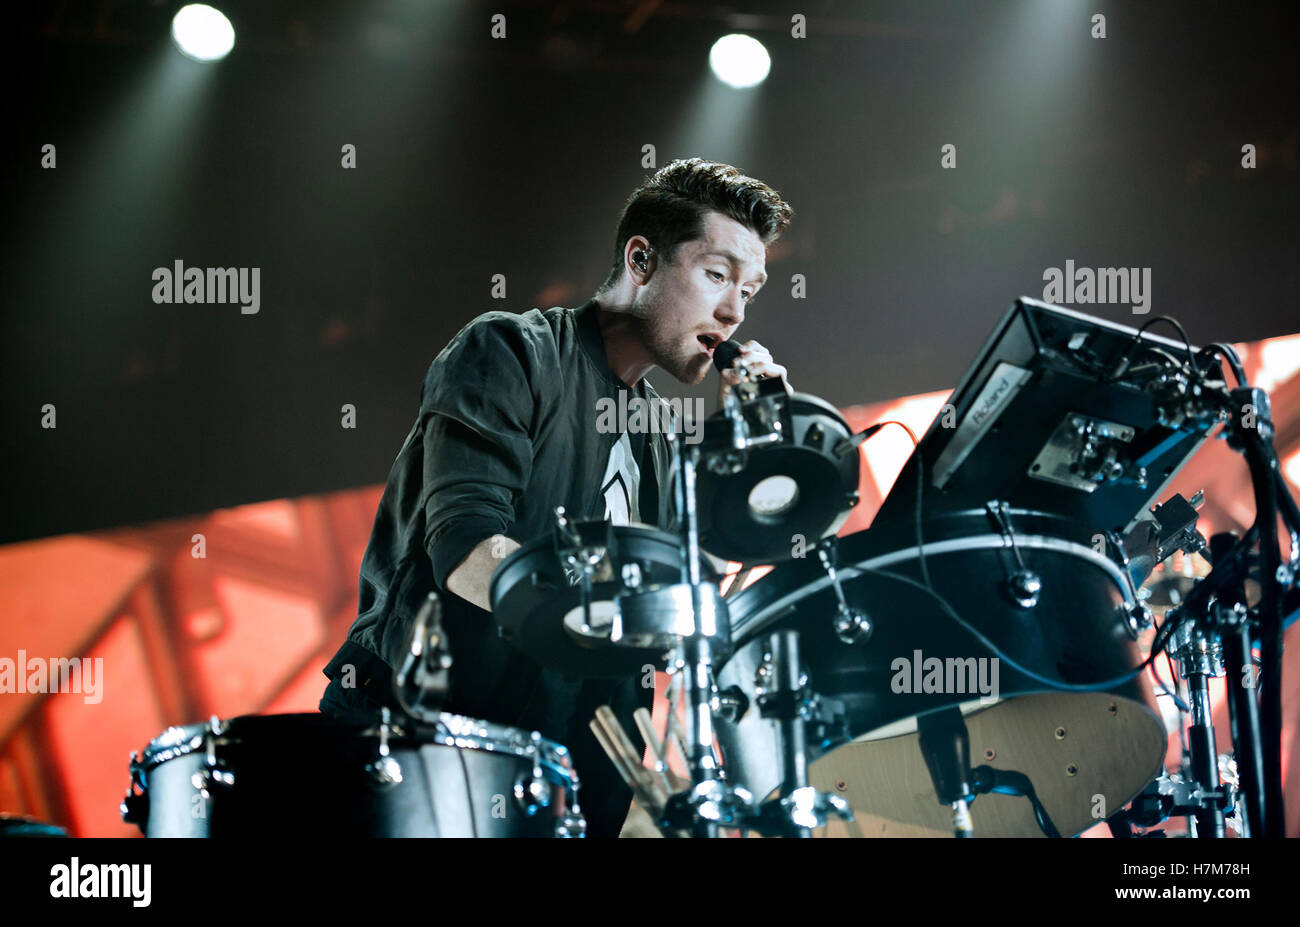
(691, 372)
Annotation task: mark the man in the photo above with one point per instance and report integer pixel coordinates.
(507, 431)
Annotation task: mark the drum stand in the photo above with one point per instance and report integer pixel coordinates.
(1222, 627)
(1212, 642)
(1200, 657)
(784, 697)
(711, 801)
(1217, 628)
(421, 685)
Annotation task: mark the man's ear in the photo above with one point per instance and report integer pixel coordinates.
(642, 256)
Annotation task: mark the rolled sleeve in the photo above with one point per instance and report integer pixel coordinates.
(477, 407)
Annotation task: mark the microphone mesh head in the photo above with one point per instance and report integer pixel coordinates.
(725, 353)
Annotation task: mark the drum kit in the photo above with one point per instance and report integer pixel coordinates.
(997, 608)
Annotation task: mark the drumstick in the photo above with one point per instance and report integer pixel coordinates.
(645, 724)
(613, 740)
(600, 727)
(620, 763)
(674, 728)
(614, 730)
(609, 721)
(738, 582)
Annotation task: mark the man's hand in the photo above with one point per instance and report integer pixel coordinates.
(758, 360)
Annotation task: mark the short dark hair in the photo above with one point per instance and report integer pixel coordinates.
(669, 208)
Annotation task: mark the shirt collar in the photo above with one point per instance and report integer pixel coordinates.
(588, 326)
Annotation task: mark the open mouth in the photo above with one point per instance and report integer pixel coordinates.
(710, 340)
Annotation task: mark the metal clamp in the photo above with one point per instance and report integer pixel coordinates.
(1197, 651)
(533, 793)
(802, 810)
(212, 774)
(1136, 617)
(852, 626)
(384, 771)
(572, 825)
(135, 805)
(730, 704)
(773, 700)
(581, 554)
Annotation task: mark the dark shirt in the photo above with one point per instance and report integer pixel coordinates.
(506, 431)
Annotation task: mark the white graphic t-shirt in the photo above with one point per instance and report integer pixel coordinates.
(622, 484)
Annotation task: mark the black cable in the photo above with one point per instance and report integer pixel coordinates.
(987, 780)
(928, 587)
(1230, 355)
(1184, 753)
(1182, 706)
(1187, 344)
(1040, 815)
(1100, 686)
(1198, 599)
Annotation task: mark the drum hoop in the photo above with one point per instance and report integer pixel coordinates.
(174, 742)
(771, 611)
(644, 534)
(450, 730)
(491, 737)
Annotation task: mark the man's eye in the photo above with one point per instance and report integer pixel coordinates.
(714, 273)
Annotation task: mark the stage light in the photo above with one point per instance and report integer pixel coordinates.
(739, 60)
(202, 33)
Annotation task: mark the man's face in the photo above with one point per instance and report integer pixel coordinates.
(697, 301)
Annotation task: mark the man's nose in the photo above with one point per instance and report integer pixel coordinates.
(731, 310)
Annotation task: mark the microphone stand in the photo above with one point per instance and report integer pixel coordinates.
(430, 658)
(711, 801)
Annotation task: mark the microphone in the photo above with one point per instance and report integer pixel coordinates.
(725, 353)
